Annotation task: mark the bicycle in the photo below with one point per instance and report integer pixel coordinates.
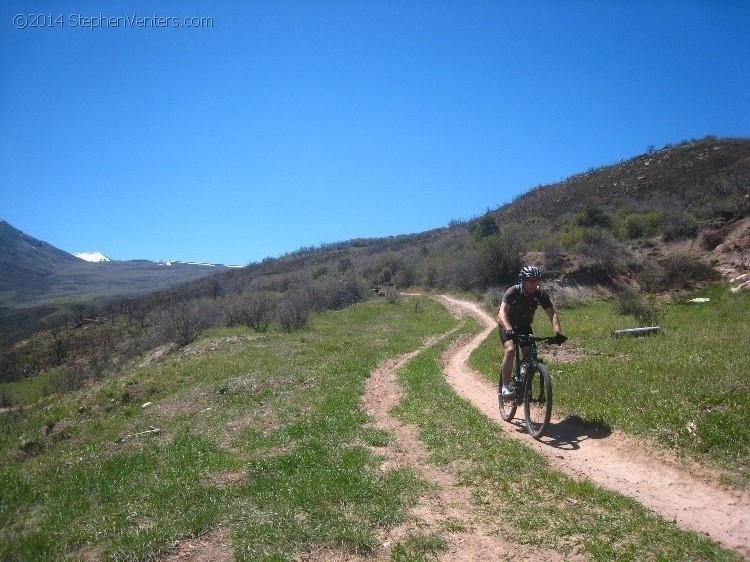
(527, 385)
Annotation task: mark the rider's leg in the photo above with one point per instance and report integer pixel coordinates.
(509, 352)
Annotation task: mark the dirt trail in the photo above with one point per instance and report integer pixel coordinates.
(448, 508)
(612, 460)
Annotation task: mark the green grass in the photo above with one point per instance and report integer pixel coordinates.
(282, 410)
(687, 388)
(518, 492)
(262, 437)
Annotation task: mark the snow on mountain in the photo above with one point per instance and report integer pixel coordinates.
(92, 256)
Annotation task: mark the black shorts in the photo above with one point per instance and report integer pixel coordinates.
(525, 330)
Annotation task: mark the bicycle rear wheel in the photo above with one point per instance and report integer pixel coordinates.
(537, 400)
(507, 406)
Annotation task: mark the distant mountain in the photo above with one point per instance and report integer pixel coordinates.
(92, 256)
(26, 262)
(38, 281)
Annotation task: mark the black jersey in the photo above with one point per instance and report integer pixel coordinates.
(523, 307)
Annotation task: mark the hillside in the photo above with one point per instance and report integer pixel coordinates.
(623, 224)
(707, 178)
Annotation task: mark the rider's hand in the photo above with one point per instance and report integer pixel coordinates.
(559, 339)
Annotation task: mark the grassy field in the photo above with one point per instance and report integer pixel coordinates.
(688, 388)
(277, 415)
(261, 438)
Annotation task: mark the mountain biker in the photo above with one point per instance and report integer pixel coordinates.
(516, 315)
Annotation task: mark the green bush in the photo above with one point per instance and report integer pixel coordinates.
(676, 272)
(499, 258)
(592, 216)
(641, 225)
(631, 303)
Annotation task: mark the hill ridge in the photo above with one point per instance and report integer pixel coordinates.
(611, 224)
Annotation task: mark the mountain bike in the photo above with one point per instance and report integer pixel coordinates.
(532, 385)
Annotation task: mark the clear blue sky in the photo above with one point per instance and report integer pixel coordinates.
(269, 126)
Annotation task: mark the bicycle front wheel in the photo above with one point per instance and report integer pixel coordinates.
(537, 400)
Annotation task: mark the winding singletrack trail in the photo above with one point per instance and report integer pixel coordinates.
(613, 460)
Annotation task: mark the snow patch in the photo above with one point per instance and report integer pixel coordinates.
(92, 256)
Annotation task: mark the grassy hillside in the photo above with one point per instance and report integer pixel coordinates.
(258, 441)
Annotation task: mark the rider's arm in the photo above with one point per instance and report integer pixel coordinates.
(552, 313)
(503, 316)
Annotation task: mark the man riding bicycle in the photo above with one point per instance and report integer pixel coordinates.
(516, 315)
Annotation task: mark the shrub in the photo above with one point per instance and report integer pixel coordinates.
(554, 257)
(493, 297)
(678, 226)
(631, 303)
(484, 227)
(676, 272)
(293, 312)
(682, 271)
(711, 238)
(11, 368)
(184, 322)
(462, 271)
(641, 225)
(591, 216)
(68, 379)
(342, 291)
(499, 259)
(234, 309)
(604, 256)
(258, 311)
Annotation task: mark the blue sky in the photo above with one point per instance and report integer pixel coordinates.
(269, 126)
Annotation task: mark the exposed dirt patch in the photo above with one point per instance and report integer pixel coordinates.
(211, 547)
(733, 253)
(156, 355)
(680, 492)
(227, 479)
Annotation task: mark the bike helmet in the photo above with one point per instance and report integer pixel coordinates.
(529, 272)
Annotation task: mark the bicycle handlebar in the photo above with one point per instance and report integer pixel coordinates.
(558, 339)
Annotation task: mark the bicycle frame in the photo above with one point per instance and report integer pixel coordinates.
(536, 411)
(522, 367)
